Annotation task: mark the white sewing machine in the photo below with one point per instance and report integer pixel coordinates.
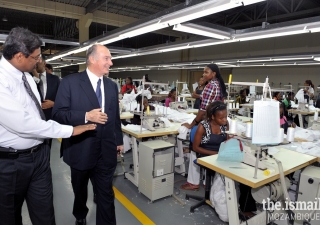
(152, 123)
(179, 105)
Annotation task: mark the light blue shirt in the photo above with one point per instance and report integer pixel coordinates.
(20, 124)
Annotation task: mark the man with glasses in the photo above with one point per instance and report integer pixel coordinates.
(47, 85)
(25, 172)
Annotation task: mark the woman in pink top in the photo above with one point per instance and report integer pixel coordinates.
(171, 97)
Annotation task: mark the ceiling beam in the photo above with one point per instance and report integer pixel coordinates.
(74, 12)
(94, 6)
(283, 16)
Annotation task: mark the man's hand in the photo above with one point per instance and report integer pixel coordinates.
(97, 116)
(120, 149)
(83, 128)
(47, 104)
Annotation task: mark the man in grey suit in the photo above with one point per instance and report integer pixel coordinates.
(91, 97)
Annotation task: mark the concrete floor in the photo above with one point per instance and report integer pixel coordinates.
(162, 212)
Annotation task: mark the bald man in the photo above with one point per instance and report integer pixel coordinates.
(91, 97)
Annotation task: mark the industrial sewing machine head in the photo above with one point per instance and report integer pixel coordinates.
(152, 123)
(179, 105)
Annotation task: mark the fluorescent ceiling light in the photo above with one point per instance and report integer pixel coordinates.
(210, 43)
(144, 29)
(125, 56)
(277, 32)
(314, 27)
(175, 48)
(254, 60)
(204, 9)
(201, 30)
(293, 58)
(317, 58)
(110, 40)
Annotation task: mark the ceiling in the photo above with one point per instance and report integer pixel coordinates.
(55, 20)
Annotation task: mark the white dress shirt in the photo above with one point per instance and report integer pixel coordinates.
(20, 124)
(43, 77)
(94, 81)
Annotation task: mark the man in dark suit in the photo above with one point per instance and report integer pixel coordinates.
(91, 97)
(47, 85)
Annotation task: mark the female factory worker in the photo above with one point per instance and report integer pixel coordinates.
(136, 118)
(197, 93)
(276, 96)
(171, 97)
(215, 90)
(284, 123)
(310, 88)
(209, 135)
(241, 99)
(128, 87)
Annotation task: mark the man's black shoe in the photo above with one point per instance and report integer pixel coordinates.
(81, 222)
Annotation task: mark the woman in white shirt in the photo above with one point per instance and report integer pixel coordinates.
(310, 88)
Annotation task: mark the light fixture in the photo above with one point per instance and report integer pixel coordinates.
(314, 27)
(276, 32)
(144, 28)
(293, 58)
(4, 19)
(317, 58)
(204, 9)
(210, 43)
(175, 48)
(110, 40)
(254, 60)
(124, 56)
(201, 30)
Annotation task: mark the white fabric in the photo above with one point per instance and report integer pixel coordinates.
(94, 81)
(134, 127)
(218, 197)
(167, 123)
(300, 95)
(20, 124)
(183, 132)
(126, 142)
(304, 134)
(194, 170)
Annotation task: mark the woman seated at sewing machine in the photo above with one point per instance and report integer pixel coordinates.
(284, 123)
(309, 90)
(128, 87)
(136, 120)
(209, 135)
(241, 99)
(171, 97)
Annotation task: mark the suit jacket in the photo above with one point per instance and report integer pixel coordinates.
(75, 97)
(53, 83)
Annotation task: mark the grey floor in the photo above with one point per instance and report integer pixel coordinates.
(165, 211)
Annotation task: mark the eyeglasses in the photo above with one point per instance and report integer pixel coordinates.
(36, 58)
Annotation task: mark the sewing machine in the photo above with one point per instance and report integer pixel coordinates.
(152, 122)
(179, 105)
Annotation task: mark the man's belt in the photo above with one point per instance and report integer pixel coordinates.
(11, 153)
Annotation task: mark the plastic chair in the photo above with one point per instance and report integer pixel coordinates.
(202, 200)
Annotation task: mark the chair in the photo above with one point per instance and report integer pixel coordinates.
(202, 200)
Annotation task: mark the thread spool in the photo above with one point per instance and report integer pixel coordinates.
(268, 172)
(281, 135)
(138, 107)
(230, 105)
(316, 115)
(148, 110)
(290, 134)
(157, 110)
(233, 106)
(237, 105)
(233, 127)
(249, 129)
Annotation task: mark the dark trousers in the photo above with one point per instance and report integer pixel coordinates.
(102, 176)
(27, 178)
